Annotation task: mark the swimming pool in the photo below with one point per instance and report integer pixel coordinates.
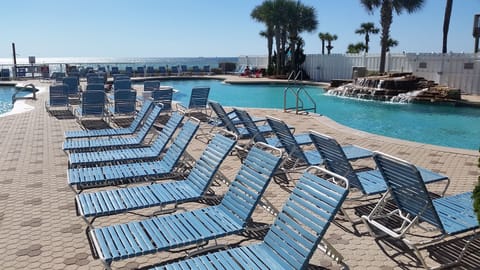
(439, 125)
(6, 93)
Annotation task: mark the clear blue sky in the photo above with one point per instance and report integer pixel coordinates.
(209, 28)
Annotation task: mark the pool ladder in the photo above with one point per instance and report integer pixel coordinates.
(28, 87)
(296, 88)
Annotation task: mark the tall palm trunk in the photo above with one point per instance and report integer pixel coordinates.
(446, 24)
(386, 14)
(278, 46)
(270, 50)
(367, 40)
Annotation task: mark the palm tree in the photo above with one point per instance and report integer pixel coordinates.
(446, 24)
(386, 17)
(322, 37)
(329, 38)
(301, 18)
(356, 48)
(391, 43)
(367, 29)
(263, 13)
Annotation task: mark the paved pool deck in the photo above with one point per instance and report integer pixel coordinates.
(39, 228)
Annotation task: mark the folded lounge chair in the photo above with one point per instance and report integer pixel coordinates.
(194, 187)
(294, 236)
(448, 216)
(81, 178)
(93, 105)
(58, 98)
(198, 100)
(231, 216)
(114, 142)
(77, 134)
(298, 157)
(129, 154)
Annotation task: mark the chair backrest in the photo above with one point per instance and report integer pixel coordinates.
(147, 104)
(129, 71)
(251, 127)
(151, 85)
(162, 70)
(124, 101)
(286, 138)
(122, 84)
(163, 96)
(199, 97)
(205, 168)
(114, 70)
(334, 158)
(72, 84)
(58, 95)
(251, 181)
(150, 70)
(407, 188)
(174, 69)
(206, 68)
(222, 115)
(167, 132)
(94, 78)
(180, 143)
(184, 68)
(152, 117)
(95, 86)
(93, 102)
(195, 69)
(304, 219)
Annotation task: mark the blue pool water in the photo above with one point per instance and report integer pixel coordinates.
(439, 125)
(6, 93)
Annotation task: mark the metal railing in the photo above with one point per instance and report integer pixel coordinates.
(296, 88)
(28, 87)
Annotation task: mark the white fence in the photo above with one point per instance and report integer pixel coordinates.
(460, 71)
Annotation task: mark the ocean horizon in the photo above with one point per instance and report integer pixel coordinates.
(121, 62)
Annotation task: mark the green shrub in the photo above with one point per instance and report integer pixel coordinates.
(476, 195)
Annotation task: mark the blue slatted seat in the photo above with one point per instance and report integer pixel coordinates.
(92, 105)
(130, 154)
(258, 136)
(118, 142)
(449, 215)
(187, 228)
(198, 100)
(301, 158)
(58, 98)
(193, 188)
(293, 237)
(136, 171)
(77, 134)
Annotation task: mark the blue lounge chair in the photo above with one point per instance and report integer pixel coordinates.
(196, 70)
(175, 71)
(95, 87)
(231, 216)
(77, 134)
(124, 103)
(58, 98)
(150, 71)
(95, 79)
(298, 157)
(129, 154)
(162, 71)
(184, 69)
(129, 71)
(151, 85)
(368, 182)
(256, 134)
(140, 72)
(81, 178)
(122, 84)
(163, 96)
(198, 100)
(294, 236)
(206, 70)
(115, 142)
(114, 71)
(194, 187)
(92, 105)
(72, 84)
(448, 216)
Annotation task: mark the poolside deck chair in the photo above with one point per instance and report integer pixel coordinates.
(95, 87)
(114, 71)
(72, 84)
(150, 71)
(184, 69)
(149, 152)
(448, 216)
(297, 157)
(92, 105)
(115, 142)
(194, 187)
(294, 236)
(95, 79)
(231, 216)
(206, 70)
(163, 96)
(196, 70)
(122, 84)
(162, 71)
(129, 71)
(175, 71)
(151, 85)
(140, 72)
(77, 134)
(58, 98)
(124, 103)
(198, 100)
(82, 178)
(256, 134)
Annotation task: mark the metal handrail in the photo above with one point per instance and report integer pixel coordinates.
(28, 87)
(297, 89)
